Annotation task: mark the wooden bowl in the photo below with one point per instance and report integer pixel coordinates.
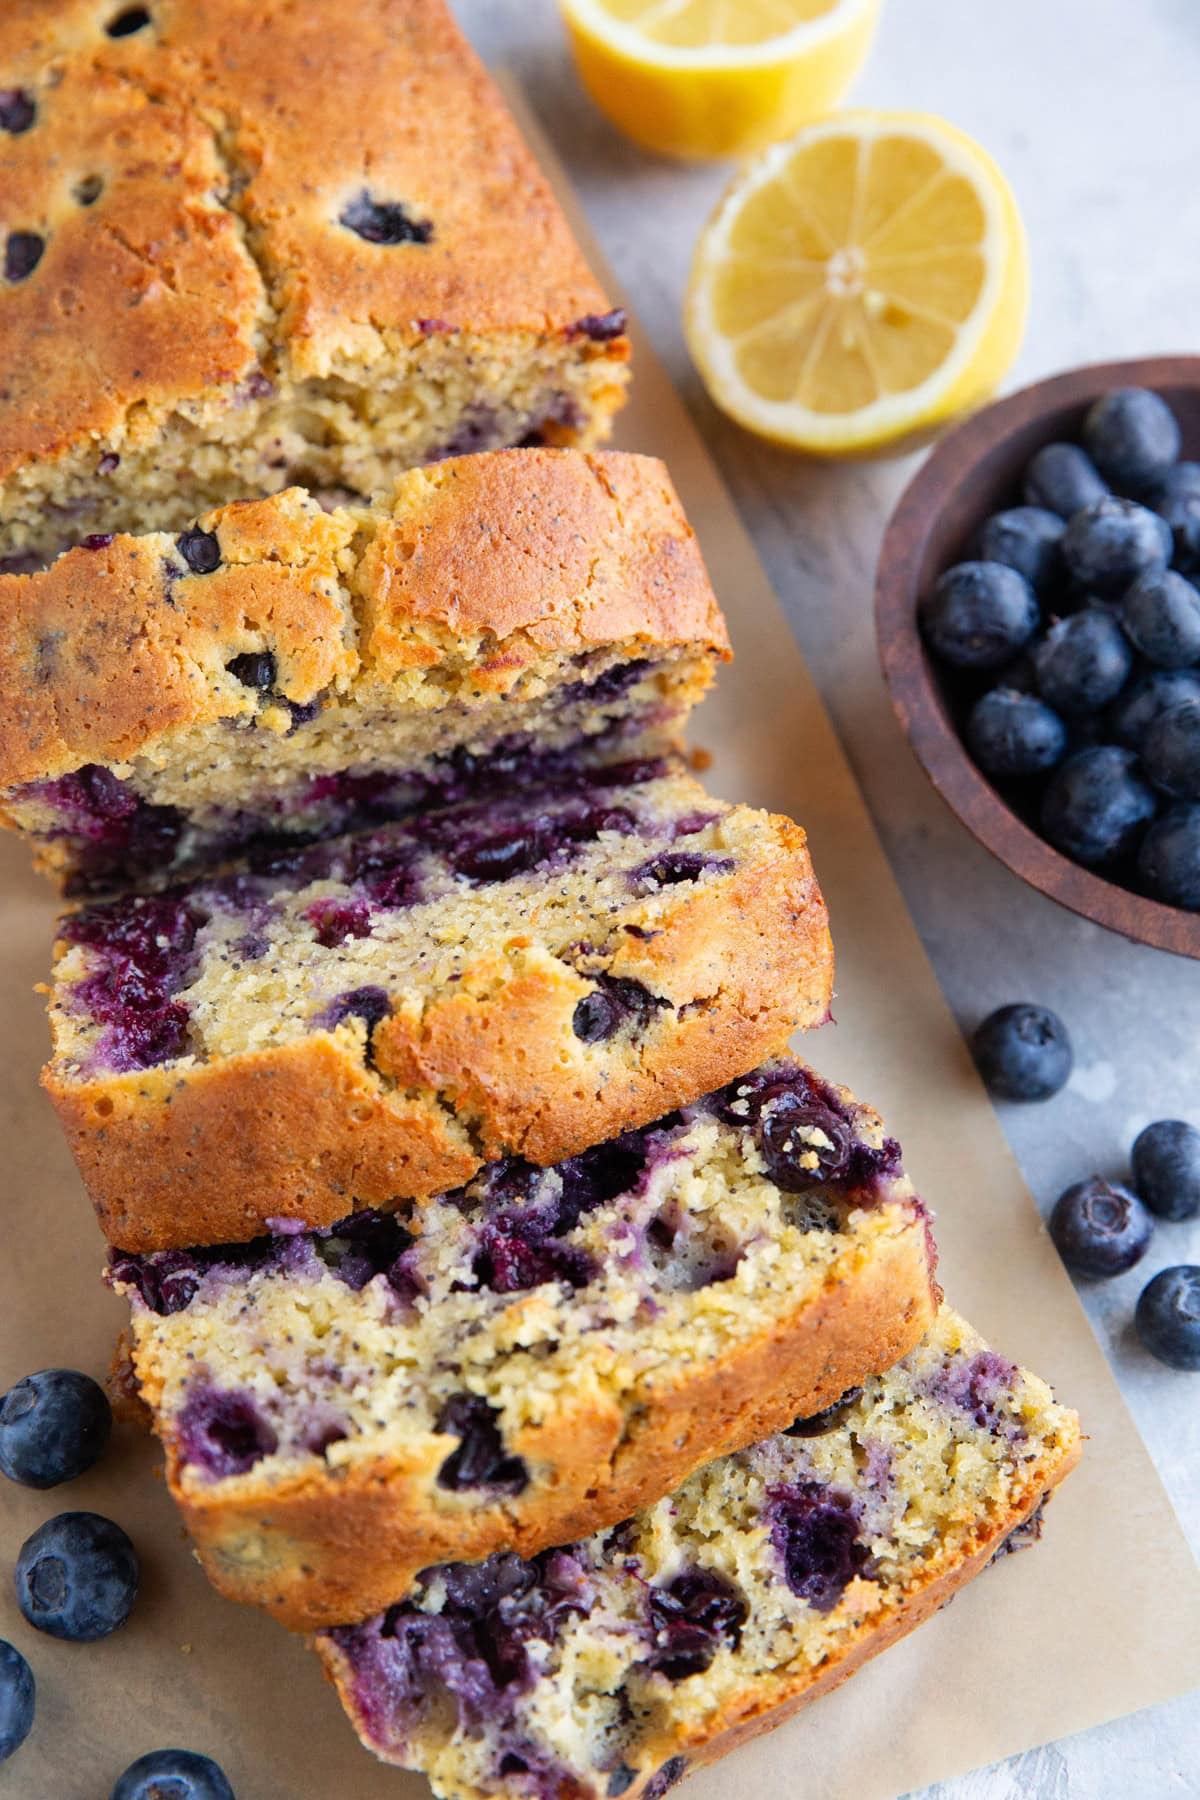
(974, 471)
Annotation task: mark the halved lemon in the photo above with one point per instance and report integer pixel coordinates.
(860, 284)
(717, 77)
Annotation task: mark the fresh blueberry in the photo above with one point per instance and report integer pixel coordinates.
(1133, 437)
(1082, 662)
(1063, 479)
(1095, 806)
(173, 1775)
(1026, 539)
(17, 1698)
(1015, 734)
(1168, 1316)
(1171, 751)
(1166, 1168)
(53, 1426)
(200, 550)
(1023, 1052)
(77, 1577)
(1169, 858)
(1110, 543)
(979, 615)
(1181, 513)
(1161, 616)
(1182, 478)
(1099, 1228)
(1137, 706)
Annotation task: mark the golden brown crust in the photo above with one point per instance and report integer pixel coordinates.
(319, 1551)
(229, 136)
(179, 1156)
(490, 561)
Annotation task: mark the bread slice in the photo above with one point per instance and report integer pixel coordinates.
(250, 244)
(284, 672)
(527, 1359)
(374, 1017)
(615, 1666)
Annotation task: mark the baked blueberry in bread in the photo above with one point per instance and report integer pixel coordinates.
(283, 672)
(528, 1358)
(615, 1665)
(250, 243)
(371, 1018)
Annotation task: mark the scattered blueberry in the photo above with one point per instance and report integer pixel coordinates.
(1110, 543)
(1082, 662)
(1181, 513)
(1099, 1228)
(22, 254)
(53, 1426)
(1095, 805)
(17, 1698)
(1137, 706)
(1063, 479)
(1166, 1168)
(1169, 858)
(77, 1577)
(1132, 437)
(1161, 616)
(1026, 539)
(979, 615)
(1023, 1052)
(199, 550)
(1015, 734)
(384, 221)
(173, 1775)
(1168, 1316)
(1171, 751)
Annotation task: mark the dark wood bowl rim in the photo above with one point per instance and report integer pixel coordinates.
(913, 686)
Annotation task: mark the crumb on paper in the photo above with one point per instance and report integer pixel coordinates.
(700, 759)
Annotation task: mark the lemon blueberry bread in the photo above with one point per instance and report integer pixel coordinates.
(372, 1017)
(614, 1666)
(279, 671)
(530, 1357)
(248, 243)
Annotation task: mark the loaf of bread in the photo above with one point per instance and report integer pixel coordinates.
(616, 1665)
(529, 1358)
(281, 672)
(250, 243)
(372, 1018)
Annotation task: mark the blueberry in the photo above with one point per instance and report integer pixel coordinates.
(1161, 616)
(1082, 662)
(125, 23)
(1014, 734)
(384, 221)
(17, 1697)
(1137, 706)
(18, 110)
(481, 1459)
(53, 1426)
(1168, 1316)
(1099, 1228)
(1095, 806)
(77, 1577)
(22, 254)
(1026, 539)
(1181, 513)
(1166, 1168)
(173, 1775)
(1133, 437)
(978, 615)
(1182, 478)
(1169, 858)
(200, 550)
(1110, 543)
(254, 669)
(690, 1618)
(1171, 751)
(1063, 479)
(1023, 1052)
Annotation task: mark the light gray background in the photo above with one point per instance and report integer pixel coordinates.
(1092, 107)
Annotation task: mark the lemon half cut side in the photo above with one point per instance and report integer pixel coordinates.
(860, 284)
(710, 78)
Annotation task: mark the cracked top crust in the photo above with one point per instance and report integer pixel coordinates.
(481, 567)
(182, 190)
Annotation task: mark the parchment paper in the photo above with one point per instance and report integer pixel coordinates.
(1103, 1617)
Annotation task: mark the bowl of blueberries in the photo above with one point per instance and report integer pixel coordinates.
(1038, 613)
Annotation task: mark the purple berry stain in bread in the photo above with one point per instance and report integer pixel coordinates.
(979, 1386)
(480, 1460)
(616, 1001)
(222, 1432)
(334, 921)
(671, 1772)
(384, 221)
(814, 1528)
